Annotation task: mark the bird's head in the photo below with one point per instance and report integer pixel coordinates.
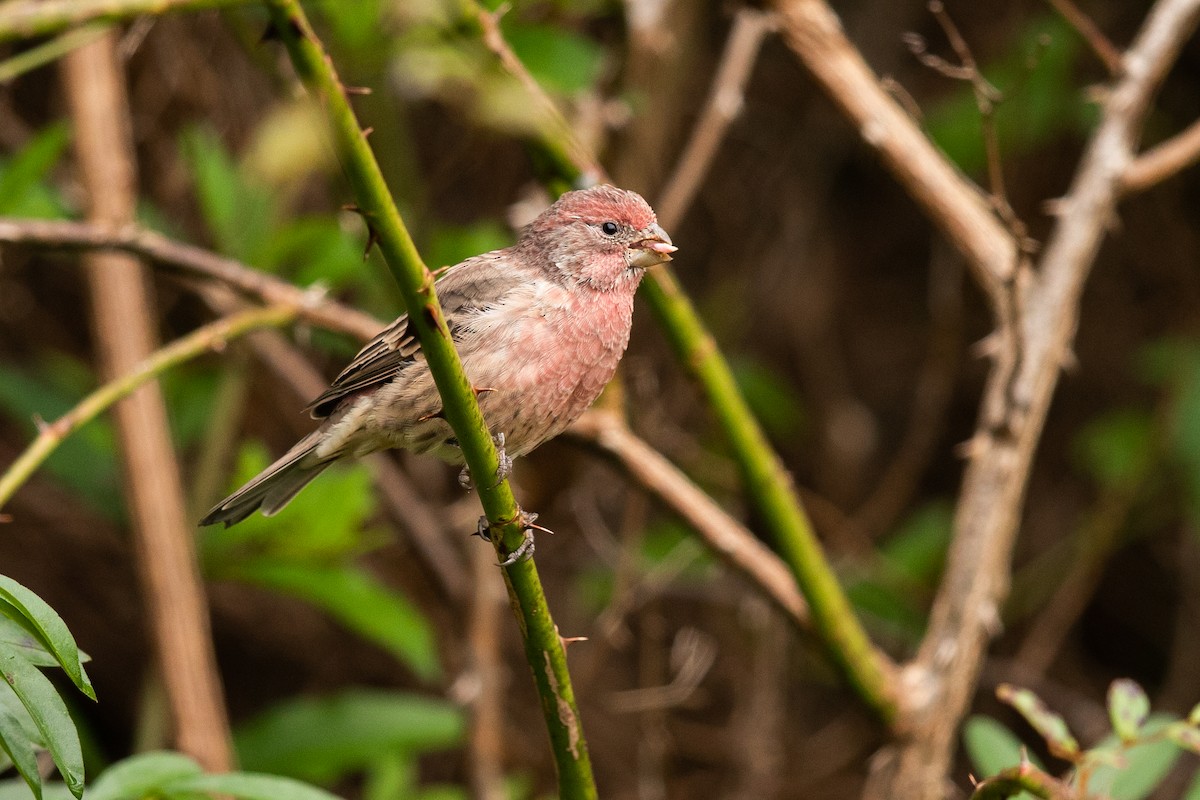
(603, 237)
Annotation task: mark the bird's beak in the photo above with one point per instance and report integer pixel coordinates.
(654, 248)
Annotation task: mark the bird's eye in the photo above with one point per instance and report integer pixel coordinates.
(610, 228)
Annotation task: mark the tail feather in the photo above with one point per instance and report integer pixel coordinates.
(274, 487)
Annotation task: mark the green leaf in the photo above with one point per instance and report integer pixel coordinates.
(1117, 448)
(321, 250)
(1040, 103)
(1193, 716)
(1145, 763)
(558, 59)
(17, 745)
(49, 713)
(322, 525)
(27, 609)
(773, 399)
(359, 602)
(248, 786)
(323, 739)
(144, 774)
(1049, 725)
(86, 461)
(1128, 708)
(23, 189)
(19, 790)
(15, 635)
(917, 550)
(241, 216)
(450, 244)
(991, 746)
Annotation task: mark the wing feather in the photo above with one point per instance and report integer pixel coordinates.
(463, 290)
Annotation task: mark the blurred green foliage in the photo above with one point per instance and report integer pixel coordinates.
(309, 552)
(1128, 764)
(1041, 99)
(326, 739)
(24, 189)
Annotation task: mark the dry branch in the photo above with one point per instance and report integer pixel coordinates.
(731, 541)
(953, 203)
(123, 321)
(941, 682)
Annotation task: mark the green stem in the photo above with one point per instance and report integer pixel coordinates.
(42, 54)
(20, 19)
(543, 647)
(768, 482)
(210, 337)
(773, 491)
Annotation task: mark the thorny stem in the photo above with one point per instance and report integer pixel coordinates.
(543, 647)
(213, 336)
(767, 480)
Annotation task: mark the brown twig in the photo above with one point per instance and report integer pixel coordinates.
(987, 98)
(1163, 161)
(486, 674)
(731, 541)
(750, 28)
(941, 682)
(124, 326)
(190, 260)
(493, 37)
(953, 203)
(1105, 50)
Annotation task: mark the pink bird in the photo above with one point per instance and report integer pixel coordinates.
(540, 327)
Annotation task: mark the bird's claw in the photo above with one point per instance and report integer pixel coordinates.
(503, 468)
(525, 550)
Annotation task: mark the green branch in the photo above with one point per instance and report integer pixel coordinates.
(212, 336)
(774, 493)
(767, 480)
(20, 19)
(543, 647)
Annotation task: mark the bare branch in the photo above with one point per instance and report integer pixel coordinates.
(750, 28)
(942, 680)
(730, 540)
(124, 325)
(1163, 161)
(1105, 50)
(954, 204)
(191, 261)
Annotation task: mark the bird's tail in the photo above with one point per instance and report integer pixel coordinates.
(274, 487)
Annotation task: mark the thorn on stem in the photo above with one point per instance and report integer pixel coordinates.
(372, 238)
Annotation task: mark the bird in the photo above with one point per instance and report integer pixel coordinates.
(540, 327)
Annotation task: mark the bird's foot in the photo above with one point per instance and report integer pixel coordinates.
(525, 550)
(503, 469)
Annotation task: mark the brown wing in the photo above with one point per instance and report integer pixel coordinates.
(463, 290)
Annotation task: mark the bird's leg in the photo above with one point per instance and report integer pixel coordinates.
(503, 469)
(525, 549)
